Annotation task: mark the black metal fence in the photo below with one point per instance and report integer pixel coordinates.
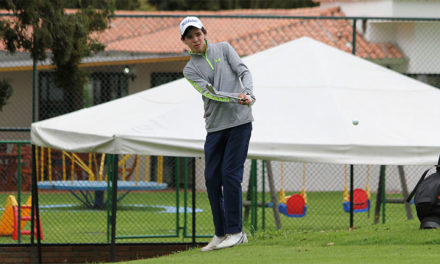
(156, 194)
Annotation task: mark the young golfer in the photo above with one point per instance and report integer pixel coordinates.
(224, 81)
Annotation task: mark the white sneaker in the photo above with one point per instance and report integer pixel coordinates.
(215, 241)
(233, 240)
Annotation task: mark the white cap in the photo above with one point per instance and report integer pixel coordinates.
(188, 22)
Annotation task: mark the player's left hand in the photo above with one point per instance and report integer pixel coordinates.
(246, 100)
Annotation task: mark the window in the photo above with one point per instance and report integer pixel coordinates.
(51, 98)
(108, 86)
(431, 79)
(158, 78)
(103, 87)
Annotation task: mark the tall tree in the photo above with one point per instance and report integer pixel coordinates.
(45, 29)
(119, 4)
(5, 92)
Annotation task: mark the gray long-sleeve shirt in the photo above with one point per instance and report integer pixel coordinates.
(222, 68)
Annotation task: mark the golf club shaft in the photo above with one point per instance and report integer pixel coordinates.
(211, 90)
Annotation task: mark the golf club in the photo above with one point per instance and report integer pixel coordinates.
(211, 90)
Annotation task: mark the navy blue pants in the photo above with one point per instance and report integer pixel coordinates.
(225, 154)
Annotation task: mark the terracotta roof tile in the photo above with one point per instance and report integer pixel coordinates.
(332, 1)
(149, 33)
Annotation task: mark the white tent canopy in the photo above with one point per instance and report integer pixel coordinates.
(308, 95)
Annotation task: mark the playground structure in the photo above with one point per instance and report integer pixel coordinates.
(88, 177)
(278, 198)
(296, 204)
(292, 173)
(131, 162)
(7, 217)
(14, 217)
(290, 206)
(361, 198)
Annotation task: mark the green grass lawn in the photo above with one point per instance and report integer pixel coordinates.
(139, 215)
(389, 243)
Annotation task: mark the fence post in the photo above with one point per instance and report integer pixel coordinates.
(353, 44)
(263, 188)
(19, 179)
(353, 51)
(35, 211)
(34, 90)
(178, 173)
(185, 196)
(114, 205)
(109, 164)
(193, 187)
(254, 195)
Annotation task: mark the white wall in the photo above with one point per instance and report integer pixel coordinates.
(416, 8)
(144, 71)
(18, 110)
(389, 8)
(416, 39)
(424, 52)
(376, 8)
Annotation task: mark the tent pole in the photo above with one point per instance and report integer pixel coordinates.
(351, 195)
(405, 191)
(273, 196)
(383, 177)
(253, 177)
(378, 199)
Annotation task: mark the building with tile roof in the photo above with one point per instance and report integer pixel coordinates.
(384, 8)
(415, 37)
(251, 36)
(147, 45)
(138, 33)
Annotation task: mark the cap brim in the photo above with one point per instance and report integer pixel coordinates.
(191, 24)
